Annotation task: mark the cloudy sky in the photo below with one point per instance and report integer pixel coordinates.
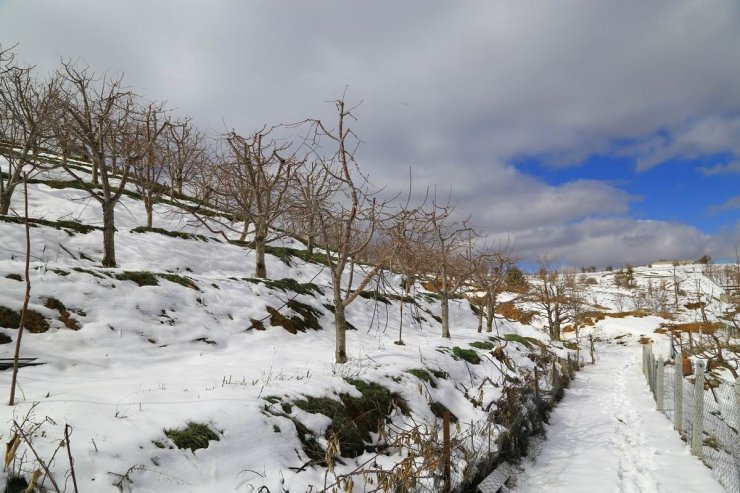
(595, 132)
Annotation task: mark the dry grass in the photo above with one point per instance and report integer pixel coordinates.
(511, 312)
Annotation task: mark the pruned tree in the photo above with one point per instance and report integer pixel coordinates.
(256, 173)
(451, 254)
(186, 150)
(310, 192)
(549, 293)
(98, 119)
(349, 220)
(490, 278)
(28, 108)
(148, 159)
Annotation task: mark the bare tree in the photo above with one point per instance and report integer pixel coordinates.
(348, 222)
(148, 165)
(311, 190)
(27, 109)
(452, 256)
(99, 120)
(256, 174)
(490, 277)
(549, 293)
(185, 150)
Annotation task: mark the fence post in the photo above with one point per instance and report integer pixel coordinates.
(659, 385)
(446, 451)
(644, 360)
(737, 397)
(697, 422)
(678, 395)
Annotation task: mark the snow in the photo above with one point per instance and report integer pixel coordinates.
(606, 435)
(137, 367)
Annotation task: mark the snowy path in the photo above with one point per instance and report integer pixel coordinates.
(606, 436)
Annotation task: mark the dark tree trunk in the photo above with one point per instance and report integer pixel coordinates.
(149, 206)
(340, 323)
(243, 236)
(260, 238)
(109, 232)
(5, 197)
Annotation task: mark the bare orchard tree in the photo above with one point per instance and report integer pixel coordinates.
(311, 190)
(548, 291)
(256, 176)
(490, 278)
(349, 221)
(452, 258)
(28, 107)
(148, 166)
(410, 233)
(98, 118)
(185, 149)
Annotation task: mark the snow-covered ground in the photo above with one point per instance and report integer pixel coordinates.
(606, 436)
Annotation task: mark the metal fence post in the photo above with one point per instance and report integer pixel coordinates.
(678, 395)
(659, 385)
(697, 431)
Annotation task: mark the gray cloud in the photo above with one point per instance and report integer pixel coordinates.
(455, 90)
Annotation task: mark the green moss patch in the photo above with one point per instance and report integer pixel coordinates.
(194, 436)
(99, 275)
(354, 418)
(375, 295)
(70, 227)
(485, 345)
(142, 278)
(520, 339)
(171, 234)
(468, 355)
(181, 280)
(288, 284)
(424, 375)
(570, 345)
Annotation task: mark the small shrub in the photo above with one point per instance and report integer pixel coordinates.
(468, 355)
(142, 278)
(194, 436)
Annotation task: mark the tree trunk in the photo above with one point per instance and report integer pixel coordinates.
(149, 206)
(5, 200)
(95, 179)
(445, 303)
(260, 237)
(309, 243)
(340, 323)
(490, 311)
(243, 236)
(109, 232)
(480, 319)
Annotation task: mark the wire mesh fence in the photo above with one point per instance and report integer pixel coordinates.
(705, 413)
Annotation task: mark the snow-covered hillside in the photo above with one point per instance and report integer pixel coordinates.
(180, 333)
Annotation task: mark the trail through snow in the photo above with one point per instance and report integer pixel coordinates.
(606, 436)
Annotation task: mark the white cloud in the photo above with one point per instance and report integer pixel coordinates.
(721, 169)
